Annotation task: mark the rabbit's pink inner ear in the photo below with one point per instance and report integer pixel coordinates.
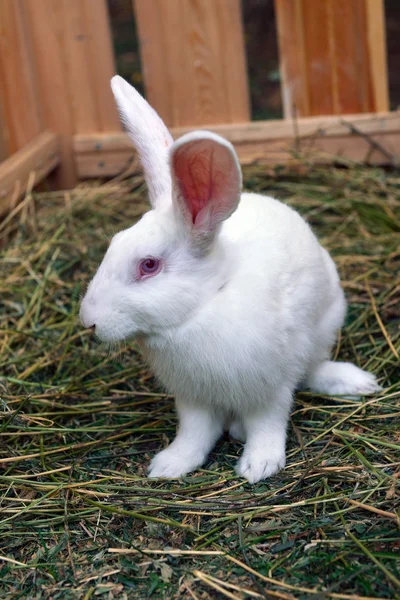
(209, 181)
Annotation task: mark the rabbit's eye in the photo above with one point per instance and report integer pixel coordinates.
(149, 266)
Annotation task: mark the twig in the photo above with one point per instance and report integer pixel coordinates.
(394, 161)
(378, 511)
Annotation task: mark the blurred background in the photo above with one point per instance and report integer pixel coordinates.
(243, 65)
(261, 49)
(260, 36)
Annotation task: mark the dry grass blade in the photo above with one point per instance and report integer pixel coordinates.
(216, 585)
(377, 511)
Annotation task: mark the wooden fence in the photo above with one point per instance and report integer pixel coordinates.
(56, 60)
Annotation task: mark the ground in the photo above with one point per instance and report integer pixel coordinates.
(80, 422)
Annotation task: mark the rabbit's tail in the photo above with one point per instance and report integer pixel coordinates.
(341, 379)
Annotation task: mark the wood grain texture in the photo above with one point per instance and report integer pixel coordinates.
(333, 56)
(318, 56)
(193, 60)
(100, 57)
(40, 156)
(47, 26)
(4, 144)
(20, 102)
(295, 94)
(154, 63)
(84, 118)
(74, 59)
(376, 40)
(89, 59)
(270, 142)
(104, 164)
(348, 57)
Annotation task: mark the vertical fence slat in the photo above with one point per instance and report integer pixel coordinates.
(349, 57)
(376, 39)
(193, 60)
(292, 58)
(333, 56)
(77, 68)
(154, 66)
(318, 50)
(233, 64)
(4, 146)
(100, 54)
(20, 103)
(74, 57)
(46, 19)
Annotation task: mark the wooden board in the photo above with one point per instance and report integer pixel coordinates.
(40, 156)
(46, 22)
(20, 102)
(89, 65)
(323, 139)
(74, 58)
(376, 41)
(104, 164)
(4, 137)
(100, 57)
(193, 60)
(333, 56)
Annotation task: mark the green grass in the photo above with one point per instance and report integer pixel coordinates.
(79, 424)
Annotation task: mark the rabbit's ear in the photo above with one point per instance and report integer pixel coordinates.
(207, 180)
(150, 137)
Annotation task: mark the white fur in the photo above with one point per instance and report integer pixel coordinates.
(234, 322)
(149, 134)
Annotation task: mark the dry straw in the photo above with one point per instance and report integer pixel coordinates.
(79, 423)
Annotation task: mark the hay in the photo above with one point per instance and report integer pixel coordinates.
(78, 518)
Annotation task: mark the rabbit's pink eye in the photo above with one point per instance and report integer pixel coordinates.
(149, 266)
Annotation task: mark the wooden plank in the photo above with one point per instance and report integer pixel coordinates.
(362, 56)
(295, 95)
(46, 22)
(193, 60)
(100, 56)
(4, 144)
(40, 156)
(260, 130)
(333, 56)
(104, 164)
(90, 65)
(270, 142)
(272, 152)
(77, 68)
(346, 68)
(20, 101)
(319, 59)
(152, 48)
(376, 40)
(74, 55)
(233, 67)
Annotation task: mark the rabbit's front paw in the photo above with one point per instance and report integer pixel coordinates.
(172, 463)
(258, 464)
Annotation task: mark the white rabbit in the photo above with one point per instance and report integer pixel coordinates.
(232, 299)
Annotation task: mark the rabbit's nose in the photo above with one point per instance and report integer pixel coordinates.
(86, 318)
(91, 327)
